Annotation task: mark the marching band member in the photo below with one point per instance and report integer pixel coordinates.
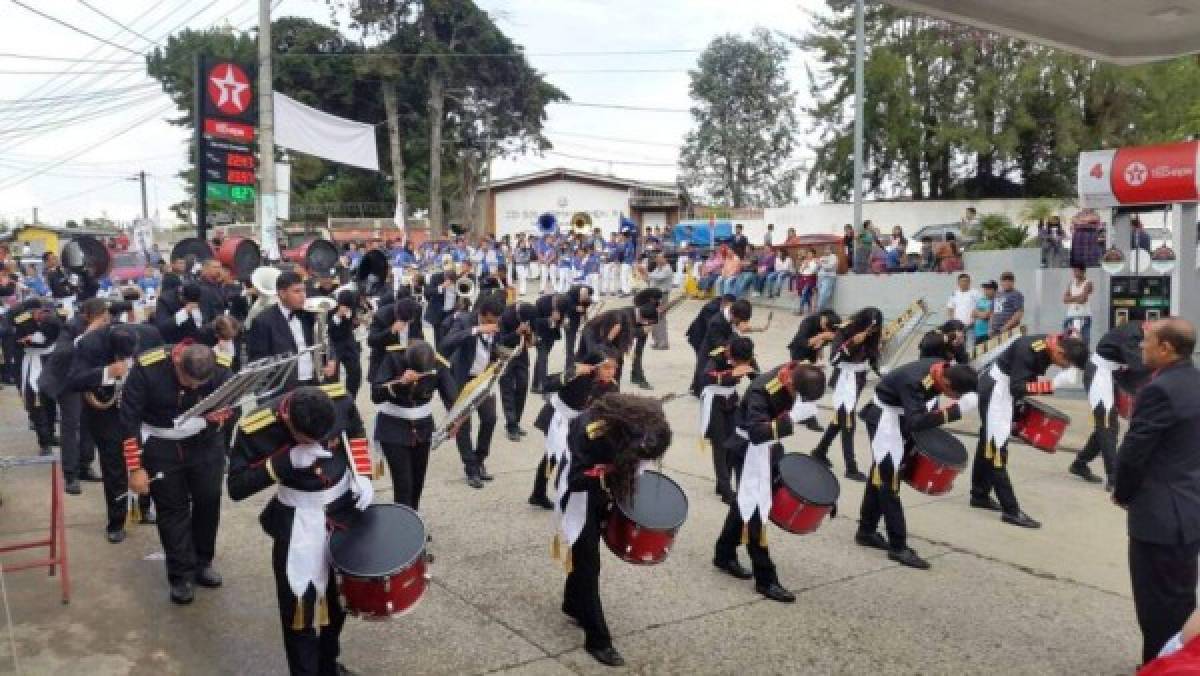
(948, 341)
(580, 299)
(551, 309)
(721, 327)
(591, 268)
(647, 304)
(726, 367)
(569, 394)
(78, 450)
(627, 256)
(287, 328)
(101, 361)
(1116, 361)
(611, 274)
(63, 289)
(440, 301)
(548, 257)
(775, 402)
(855, 348)
(523, 256)
(36, 327)
(814, 333)
(615, 329)
(347, 351)
(608, 445)
(566, 269)
(179, 465)
(516, 329)
(695, 330)
(402, 388)
(470, 344)
(282, 443)
(900, 408)
(1016, 373)
(396, 323)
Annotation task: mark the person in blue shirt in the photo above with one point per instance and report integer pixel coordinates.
(566, 269)
(591, 269)
(35, 281)
(628, 256)
(610, 281)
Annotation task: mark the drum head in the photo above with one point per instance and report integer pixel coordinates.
(658, 503)
(321, 256)
(385, 539)
(942, 447)
(809, 479)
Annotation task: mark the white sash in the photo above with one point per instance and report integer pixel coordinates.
(754, 488)
(31, 367)
(190, 428)
(405, 412)
(845, 391)
(1101, 392)
(888, 440)
(556, 431)
(707, 395)
(999, 414)
(308, 550)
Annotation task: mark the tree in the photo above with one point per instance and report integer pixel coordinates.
(951, 111)
(740, 151)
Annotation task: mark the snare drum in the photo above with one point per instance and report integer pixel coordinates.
(937, 458)
(643, 530)
(1039, 424)
(380, 562)
(806, 492)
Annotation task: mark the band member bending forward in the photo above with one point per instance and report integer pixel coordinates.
(855, 348)
(774, 402)
(727, 365)
(403, 390)
(569, 394)
(186, 461)
(900, 408)
(608, 444)
(283, 442)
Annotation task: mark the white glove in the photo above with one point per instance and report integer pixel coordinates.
(1064, 378)
(304, 455)
(197, 316)
(181, 316)
(364, 490)
(967, 403)
(884, 370)
(802, 410)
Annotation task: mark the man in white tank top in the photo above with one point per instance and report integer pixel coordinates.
(1078, 300)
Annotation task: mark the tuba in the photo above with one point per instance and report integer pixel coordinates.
(263, 280)
(466, 287)
(320, 307)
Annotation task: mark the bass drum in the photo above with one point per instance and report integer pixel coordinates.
(318, 256)
(86, 254)
(241, 256)
(192, 246)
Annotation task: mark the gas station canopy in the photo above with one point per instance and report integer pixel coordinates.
(1121, 31)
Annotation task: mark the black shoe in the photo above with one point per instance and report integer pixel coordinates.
(72, 487)
(343, 670)
(115, 536)
(182, 592)
(733, 568)
(473, 480)
(872, 540)
(855, 475)
(907, 557)
(824, 459)
(536, 389)
(643, 384)
(522, 432)
(208, 576)
(541, 501)
(1084, 472)
(775, 592)
(985, 503)
(89, 474)
(484, 474)
(1108, 486)
(1021, 519)
(514, 435)
(609, 656)
(812, 424)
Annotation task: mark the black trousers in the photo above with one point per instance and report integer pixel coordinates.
(636, 373)
(42, 412)
(991, 473)
(473, 455)
(352, 369)
(581, 593)
(881, 499)
(720, 427)
(843, 423)
(407, 465)
(569, 333)
(541, 363)
(1164, 590)
(731, 533)
(188, 500)
(439, 332)
(112, 465)
(514, 388)
(1102, 441)
(541, 478)
(78, 449)
(311, 651)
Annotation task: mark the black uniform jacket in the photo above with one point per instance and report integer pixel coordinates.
(695, 330)
(380, 336)
(393, 430)
(937, 344)
(211, 304)
(56, 368)
(459, 345)
(763, 411)
(260, 458)
(574, 390)
(1123, 345)
(1158, 468)
(799, 349)
(153, 395)
(718, 370)
(435, 297)
(93, 353)
(1024, 362)
(590, 447)
(911, 387)
(546, 331)
(574, 316)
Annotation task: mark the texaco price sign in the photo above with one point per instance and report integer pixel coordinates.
(1140, 175)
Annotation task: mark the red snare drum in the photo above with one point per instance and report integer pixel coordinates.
(1039, 424)
(1124, 403)
(806, 492)
(380, 562)
(643, 530)
(937, 458)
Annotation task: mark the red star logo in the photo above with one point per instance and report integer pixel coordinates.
(229, 89)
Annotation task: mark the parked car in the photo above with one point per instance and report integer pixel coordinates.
(127, 266)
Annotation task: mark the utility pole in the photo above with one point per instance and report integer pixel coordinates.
(859, 107)
(35, 216)
(141, 178)
(266, 136)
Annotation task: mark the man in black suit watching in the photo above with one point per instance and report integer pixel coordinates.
(1158, 484)
(286, 328)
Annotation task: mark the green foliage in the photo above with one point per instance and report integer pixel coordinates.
(1040, 210)
(996, 231)
(953, 112)
(739, 151)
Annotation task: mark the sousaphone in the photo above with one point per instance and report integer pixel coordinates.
(86, 255)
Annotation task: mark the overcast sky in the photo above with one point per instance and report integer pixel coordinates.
(34, 135)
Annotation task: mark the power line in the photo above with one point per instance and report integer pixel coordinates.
(612, 138)
(484, 55)
(598, 159)
(118, 23)
(37, 57)
(60, 22)
(81, 193)
(66, 121)
(106, 71)
(615, 106)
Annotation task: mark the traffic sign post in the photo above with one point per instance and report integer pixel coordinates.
(225, 115)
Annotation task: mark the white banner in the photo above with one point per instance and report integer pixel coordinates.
(308, 130)
(283, 190)
(268, 228)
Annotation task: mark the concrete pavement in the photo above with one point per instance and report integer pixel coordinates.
(998, 599)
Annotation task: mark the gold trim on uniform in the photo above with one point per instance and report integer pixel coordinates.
(773, 385)
(152, 357)
(595, 429)
(257, 421)
(442, 360)
(1038, 345)
(22, 318)
(334, 390)
(224, 360)
(396, 347)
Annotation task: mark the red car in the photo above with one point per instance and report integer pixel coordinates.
(126, 266)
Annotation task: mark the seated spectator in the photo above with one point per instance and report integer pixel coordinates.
(711, 269)
(781, 276)
(949, 258)
(763, 269)
(731, 269)
(878, 258)
(826, 278)
(897, 261)
(806, 281)
(745, 278)
(928, 261)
